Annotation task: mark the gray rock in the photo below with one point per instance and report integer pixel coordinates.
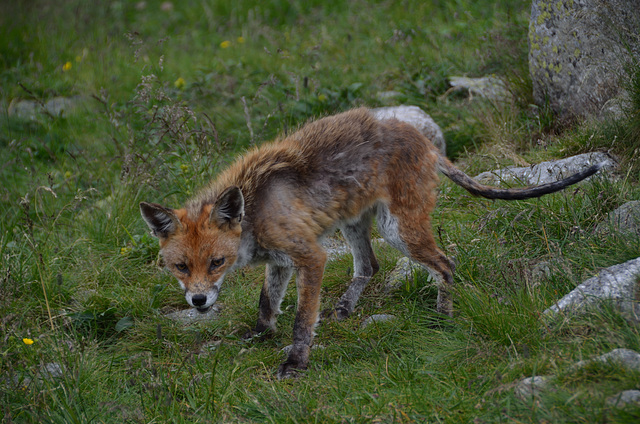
(52, 370)
(418, 118)
(491, 88)
(626, 358)
(624, 219)
(531, 387)
(623, 399)
(618, 283)
(578, 50)
(56, 107)
(377, 318)
(336, 247)
(190, 316)
(208, 348)
(544, 270)
(404, 270)
(548, 172)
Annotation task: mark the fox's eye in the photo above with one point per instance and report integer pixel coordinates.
(216, 263)
(182, 267)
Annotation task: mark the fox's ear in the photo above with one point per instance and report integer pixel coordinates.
(162, 221)
(228, 209)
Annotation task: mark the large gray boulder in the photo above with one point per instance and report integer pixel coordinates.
(578, 50)
(617, 284)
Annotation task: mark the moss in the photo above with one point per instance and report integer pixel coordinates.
(543, 17)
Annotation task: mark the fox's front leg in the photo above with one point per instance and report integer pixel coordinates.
(275, 284)
(308, 284)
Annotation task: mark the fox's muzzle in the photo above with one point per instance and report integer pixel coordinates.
(202, 301)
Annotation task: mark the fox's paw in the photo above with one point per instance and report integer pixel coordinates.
(337, 314)
(289, 370)
(297, 360)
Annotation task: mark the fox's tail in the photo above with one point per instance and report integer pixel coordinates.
(477, 189)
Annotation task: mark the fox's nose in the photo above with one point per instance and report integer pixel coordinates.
(198, 299)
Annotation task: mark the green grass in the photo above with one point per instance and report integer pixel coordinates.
(169, 97)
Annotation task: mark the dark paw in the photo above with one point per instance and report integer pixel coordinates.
(289, 369)
(297, 360)
(337, 314)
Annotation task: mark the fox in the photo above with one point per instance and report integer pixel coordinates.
(276, 203)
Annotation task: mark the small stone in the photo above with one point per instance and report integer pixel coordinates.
(623, 399)
(335, 247)
(491, 88)
(625, 219)
(208, 348)
(52, 370)
(531, 387)
(57, 106)
(378, 318)
(626, 358)
(404, 270)
(544, 270)
(190, 316)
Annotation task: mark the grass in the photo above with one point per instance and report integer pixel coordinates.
(172, 92)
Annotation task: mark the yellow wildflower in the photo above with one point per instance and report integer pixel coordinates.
(66, 66)
(184, 167)
(180, 83)
(67, 174)
(27, 341)
(125, 250)
(240, 40)
(225, 44)
(322, 98)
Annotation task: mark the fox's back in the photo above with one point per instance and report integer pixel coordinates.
(346, 160)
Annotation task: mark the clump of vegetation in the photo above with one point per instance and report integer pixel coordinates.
(164, 95)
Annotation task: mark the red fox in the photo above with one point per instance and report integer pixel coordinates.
(275, 204)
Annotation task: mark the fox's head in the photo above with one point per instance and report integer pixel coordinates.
(199, 250)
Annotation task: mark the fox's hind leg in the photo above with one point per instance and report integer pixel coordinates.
(409, 231)
(365, 265)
